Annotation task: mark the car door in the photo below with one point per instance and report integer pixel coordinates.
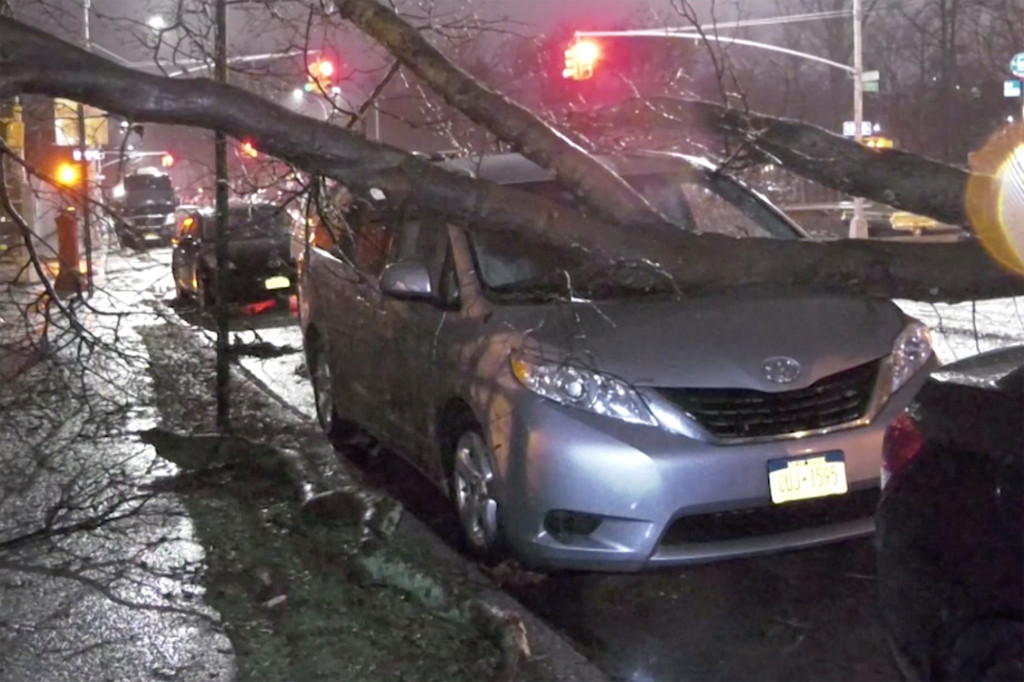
(414, 359)
(342, 272)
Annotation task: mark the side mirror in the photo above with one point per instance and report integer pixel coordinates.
(408, 279)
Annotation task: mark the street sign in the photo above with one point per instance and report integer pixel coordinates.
(871, 86)
(870, 76)
(1017, 65)
(90, 155)
(850, 128)
(1011, 88)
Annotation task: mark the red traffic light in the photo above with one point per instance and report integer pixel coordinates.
(248, 150)
(580, 59)
(167, 160)
(320, 73)
(321, 69)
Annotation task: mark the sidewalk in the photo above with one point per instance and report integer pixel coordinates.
(236, 580)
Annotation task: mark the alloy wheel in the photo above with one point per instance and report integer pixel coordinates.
(472, 482)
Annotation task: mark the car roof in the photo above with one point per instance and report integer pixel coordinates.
(511, 168)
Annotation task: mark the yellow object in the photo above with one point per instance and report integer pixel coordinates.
(902, 220)
(14, 135)
(877, 142)
(995, 197)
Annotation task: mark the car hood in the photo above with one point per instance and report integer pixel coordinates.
(718, 341)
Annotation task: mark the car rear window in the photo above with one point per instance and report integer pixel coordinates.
(252, 222)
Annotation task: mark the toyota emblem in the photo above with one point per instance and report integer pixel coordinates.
(780, 370)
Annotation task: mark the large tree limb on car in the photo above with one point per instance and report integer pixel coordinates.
(889, 176)
(32, 61)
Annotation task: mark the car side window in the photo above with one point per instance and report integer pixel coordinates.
(372, 241)
(422, 236)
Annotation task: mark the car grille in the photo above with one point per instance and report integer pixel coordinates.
(772, 520)
(742, 413)
(148, 221)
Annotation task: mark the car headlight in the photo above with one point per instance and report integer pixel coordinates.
(579, 387)
(910, 352)
(169, 220)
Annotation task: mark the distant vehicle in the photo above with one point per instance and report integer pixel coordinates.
(950, 538)
(591, 422)
(147, 217)
(259, 266)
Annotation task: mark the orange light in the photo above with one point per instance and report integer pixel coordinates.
(68, 174)
(249, 150)
(188, 222)
(167, 160)
(580, 59)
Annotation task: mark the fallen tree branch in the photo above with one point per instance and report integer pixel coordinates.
(32, 61)
(889, 176)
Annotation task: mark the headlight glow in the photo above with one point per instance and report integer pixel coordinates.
(579, 387)
(910, 352)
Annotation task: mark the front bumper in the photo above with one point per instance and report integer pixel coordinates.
(660, 496)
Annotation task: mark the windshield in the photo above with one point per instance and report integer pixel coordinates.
(252, 222)
(696, 201)
(147, 183)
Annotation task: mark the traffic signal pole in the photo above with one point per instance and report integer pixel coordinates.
(220, 144)
(859, 224)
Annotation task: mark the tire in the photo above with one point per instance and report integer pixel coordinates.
(202, 295)
(337, 430)
(471, 483)
(180, 295)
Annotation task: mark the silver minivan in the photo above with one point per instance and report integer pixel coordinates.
(580, 421)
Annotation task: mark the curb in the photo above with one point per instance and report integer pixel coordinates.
(421, 565)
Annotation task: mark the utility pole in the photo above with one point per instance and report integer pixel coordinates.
(84, 163)
(858, 225)
(221, 168)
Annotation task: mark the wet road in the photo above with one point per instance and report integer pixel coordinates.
(806, 615)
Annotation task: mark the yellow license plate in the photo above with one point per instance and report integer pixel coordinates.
(803, 478)
(277, 283)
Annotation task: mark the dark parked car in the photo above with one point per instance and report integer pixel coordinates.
(148, 216)
(593, 422)
(950, 538)
(259, 266)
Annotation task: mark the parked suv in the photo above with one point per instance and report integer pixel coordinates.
(259, 265)
(589, 423)
(148, 210)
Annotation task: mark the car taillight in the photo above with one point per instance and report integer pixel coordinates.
(902, 442)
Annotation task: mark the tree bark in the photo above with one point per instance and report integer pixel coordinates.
(32, 61)
(889, 176)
